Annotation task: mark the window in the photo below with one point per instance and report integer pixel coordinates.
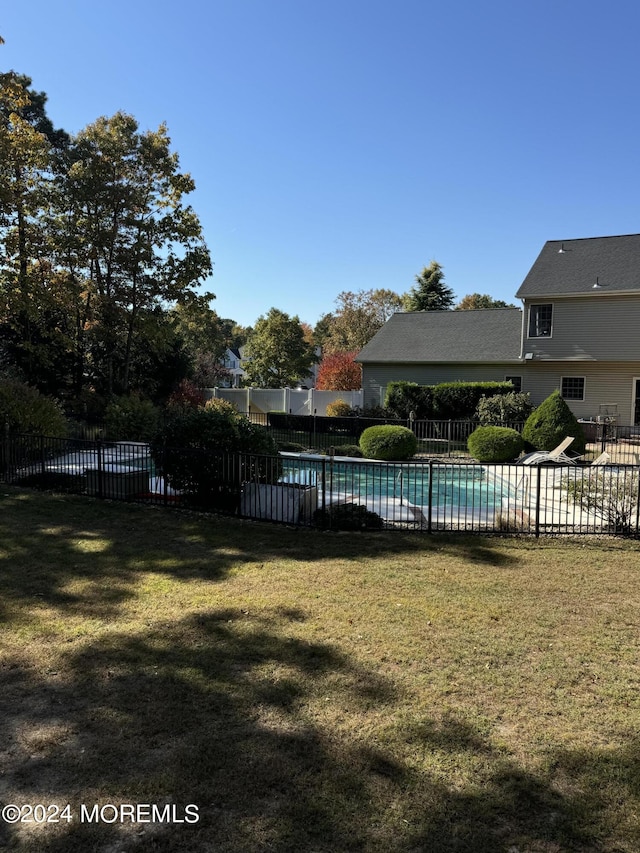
(516, 381)
(573, 387)
(540, 321)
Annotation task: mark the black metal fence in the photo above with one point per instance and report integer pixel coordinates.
(334, 492)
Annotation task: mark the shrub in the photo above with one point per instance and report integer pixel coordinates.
(190, 448)
(131, 419)
(458, 400)
(26, 410)
(186, 396)
(502, 409)
(550, 423)
(447, 401)
(495, 444)
(339, 409)
(405, 397)
(348, 516)
(609, 495)
(388, 442)
(219, 405)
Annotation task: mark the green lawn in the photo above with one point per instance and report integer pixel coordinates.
(314, 691)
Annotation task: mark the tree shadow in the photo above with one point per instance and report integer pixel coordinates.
(225, 712)
(48, 541)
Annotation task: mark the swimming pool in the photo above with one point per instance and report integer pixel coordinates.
(401, 491)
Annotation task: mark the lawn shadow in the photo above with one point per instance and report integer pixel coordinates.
(227, 712)
(48, 542)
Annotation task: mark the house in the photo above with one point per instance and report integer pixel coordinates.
(578, 331)
(231, 361)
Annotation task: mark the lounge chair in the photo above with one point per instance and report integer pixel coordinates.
(557, 456)
(603, 459)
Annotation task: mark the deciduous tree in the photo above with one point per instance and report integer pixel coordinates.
(339, 372)
(277, 354)
(477, 301)
(130, 235)
(357, 318)
(29, 321)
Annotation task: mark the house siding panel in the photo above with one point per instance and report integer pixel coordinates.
(605, 384)
(595, 328)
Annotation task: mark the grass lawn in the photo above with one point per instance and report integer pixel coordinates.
(313, 691)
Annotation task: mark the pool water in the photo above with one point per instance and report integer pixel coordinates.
(453, 485)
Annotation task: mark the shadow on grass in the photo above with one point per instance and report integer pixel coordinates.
(47, 542)
(274, 738)
(227, 714)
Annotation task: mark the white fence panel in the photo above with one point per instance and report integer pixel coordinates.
(293, 401)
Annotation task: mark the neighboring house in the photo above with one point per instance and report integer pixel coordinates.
(231, 361)
(579, 332)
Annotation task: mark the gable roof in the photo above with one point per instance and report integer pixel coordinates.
(571, 267)
(489, 335)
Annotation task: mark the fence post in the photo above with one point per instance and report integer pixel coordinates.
(638, 502)
(163, 468)
(449, 437)
(332, 453)
(7, 451)
(42, 459)
(100, 463)
(324, 483)
(429, 509)
(538, 482)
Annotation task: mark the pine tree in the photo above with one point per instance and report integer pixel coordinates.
(430, 292)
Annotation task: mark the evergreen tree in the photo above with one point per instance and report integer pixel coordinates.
(552, 422)
(430, 293)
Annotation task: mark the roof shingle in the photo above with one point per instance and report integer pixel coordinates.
(572, 267)
(490, 335)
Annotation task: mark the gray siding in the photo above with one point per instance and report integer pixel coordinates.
(591, 328)
(376, 377)
(605, 384)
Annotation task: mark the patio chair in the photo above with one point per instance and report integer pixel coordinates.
(603, 459)
(557, 456)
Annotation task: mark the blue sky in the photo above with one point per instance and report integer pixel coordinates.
(344, 145)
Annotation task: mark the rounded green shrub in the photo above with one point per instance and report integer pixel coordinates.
(388, 442)
(24, 409)
(495, 444)
(552, 422)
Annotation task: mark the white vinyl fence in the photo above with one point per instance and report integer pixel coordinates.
(290, 400)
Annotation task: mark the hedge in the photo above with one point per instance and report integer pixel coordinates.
(446, 401)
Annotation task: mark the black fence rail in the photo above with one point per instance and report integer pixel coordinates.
(436, 438)
(335, 492)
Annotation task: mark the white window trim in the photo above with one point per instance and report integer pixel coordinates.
(584, 389)
(537, 337)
